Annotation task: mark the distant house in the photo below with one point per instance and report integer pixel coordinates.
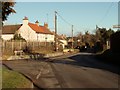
(31, 32)
(61, 40)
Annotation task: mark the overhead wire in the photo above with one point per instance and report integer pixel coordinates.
(64, 19)
(105, 15)
(75, 29)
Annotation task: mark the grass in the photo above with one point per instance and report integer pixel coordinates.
(12, 79)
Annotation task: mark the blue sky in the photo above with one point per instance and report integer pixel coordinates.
(83, 15)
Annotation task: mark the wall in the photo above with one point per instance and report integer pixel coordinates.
(7, 36)
(27, 33)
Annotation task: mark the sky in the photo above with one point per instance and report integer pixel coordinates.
(84, 16)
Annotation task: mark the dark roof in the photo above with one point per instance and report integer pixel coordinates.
(10, 29)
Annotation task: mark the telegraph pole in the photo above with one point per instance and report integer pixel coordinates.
(56, 48)
(47, 18)
(72, 36)
(96, 27)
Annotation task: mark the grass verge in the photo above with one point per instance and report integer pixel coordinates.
(12, 79)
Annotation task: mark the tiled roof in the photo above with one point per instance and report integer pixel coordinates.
(40, 29)
(10, 29)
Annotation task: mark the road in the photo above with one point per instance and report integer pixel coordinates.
(84, 71)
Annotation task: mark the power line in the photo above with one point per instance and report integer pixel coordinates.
(67, 23)
(64, 19)
(106, 13)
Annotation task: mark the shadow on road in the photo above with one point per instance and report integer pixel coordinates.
(87, 60)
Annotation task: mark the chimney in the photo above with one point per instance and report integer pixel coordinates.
(46, 25)
(37, 23)
(25, 21)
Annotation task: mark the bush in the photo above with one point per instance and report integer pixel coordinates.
(18, 37)
(27, 50)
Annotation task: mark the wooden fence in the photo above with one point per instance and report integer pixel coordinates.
(11, 46)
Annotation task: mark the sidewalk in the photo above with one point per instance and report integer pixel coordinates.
(39, 72)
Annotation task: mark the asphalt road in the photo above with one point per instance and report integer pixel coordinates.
(84, 71)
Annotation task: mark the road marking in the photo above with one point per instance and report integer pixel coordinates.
(39, 74)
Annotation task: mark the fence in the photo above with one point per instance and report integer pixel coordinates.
(11, 46)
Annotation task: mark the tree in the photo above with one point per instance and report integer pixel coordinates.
(7, 9)
(103, 34)
(18, 37)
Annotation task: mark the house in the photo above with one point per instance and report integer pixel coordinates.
(29, 31)
(8, 31)
(61, 40)
(35, 32)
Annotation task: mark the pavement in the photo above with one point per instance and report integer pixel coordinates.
(39, 72)
(35, 56)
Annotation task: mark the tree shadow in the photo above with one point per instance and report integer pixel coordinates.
(36, 56)
(90, 61)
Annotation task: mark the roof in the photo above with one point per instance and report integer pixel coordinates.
(10, 29)
(60, 37)
(40, 29)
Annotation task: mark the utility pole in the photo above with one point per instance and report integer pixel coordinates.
(72, 36)
(96, 27)
(47, 18)
(56, 47)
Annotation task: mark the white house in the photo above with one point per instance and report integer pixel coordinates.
(8, 31)
(32, 32)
